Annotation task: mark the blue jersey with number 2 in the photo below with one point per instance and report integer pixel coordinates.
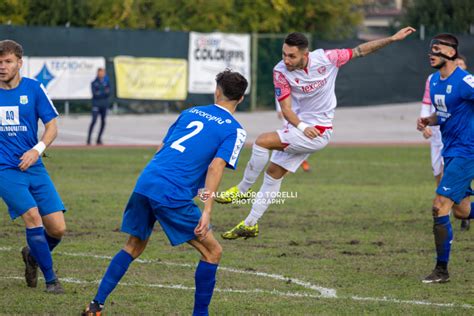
(179, 169)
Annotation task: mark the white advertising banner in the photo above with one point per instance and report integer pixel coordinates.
(211, 53)
(65, 78)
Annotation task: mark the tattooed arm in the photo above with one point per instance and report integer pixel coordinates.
(372, 46)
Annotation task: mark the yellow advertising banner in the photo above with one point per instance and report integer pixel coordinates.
(151, 78)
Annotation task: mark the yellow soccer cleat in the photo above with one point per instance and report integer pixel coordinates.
(232, 195)
(241, 231)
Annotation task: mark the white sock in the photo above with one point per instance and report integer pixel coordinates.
(270, 188)
(257, 162)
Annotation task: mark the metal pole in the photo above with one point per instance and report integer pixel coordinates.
(66, 108)
(253, 89)
(422, 32)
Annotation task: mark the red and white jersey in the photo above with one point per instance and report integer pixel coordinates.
(311, 89)
(427, 108)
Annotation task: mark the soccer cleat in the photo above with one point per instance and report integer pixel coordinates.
(465, 224)
(93, 309)
(54, 288)
(439, 275)
(232, 195)
(241, 231)
(31, 267)
(305, 166)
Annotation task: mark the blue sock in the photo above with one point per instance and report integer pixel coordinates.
(39, 249)
(471, 215)
(116, 270)
(205, 279)
(52, 242)
(443, 233)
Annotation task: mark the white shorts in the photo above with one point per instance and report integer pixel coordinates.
(436, 148)
(299, 147)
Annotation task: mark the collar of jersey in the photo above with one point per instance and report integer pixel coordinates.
(221, 107)
(444, 79)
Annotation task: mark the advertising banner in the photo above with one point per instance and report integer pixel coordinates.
(211, 53)
(151, 78)
(65, 78)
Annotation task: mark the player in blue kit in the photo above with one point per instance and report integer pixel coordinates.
(193, 155)
(25, 185)
(452, 94)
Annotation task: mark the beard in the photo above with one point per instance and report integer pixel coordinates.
(8, 79)
(440, 64)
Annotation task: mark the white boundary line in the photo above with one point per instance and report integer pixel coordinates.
(179, 287)
(324, 292)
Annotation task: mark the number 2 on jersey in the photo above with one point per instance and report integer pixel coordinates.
(177, 143)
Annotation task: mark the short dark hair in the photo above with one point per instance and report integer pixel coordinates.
(11, 47)
(232, 84)
(297, 39)
(446, 37)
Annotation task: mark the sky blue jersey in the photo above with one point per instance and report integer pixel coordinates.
(20, 109)
(453, 99)
(179, 169)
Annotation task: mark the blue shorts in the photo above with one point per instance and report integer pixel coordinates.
(23, 190)
(457, 177)
(141, 213)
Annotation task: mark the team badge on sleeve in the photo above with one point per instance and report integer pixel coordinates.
(23, 99)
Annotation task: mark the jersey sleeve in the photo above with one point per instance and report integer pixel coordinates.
(282, 87)
(467, 87)
(339, 57)
(44, 106)
(230, 148)
(426, 102)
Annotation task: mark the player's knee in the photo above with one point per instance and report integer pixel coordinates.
(460, 211)
(135, 246)
(275, 171)
(441, 206)
(57, 231)
(215, 254)
(261, 141)
(32, 218)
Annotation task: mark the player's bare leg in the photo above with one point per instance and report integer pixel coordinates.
(205, 276)
(462, 211)
(55, 228)
(133, 248)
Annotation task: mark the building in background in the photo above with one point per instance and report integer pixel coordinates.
(379, 15)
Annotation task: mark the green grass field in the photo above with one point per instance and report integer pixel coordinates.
(361, 225)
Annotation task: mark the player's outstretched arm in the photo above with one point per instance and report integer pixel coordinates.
(213, 178)
(30, 157)
(373, 46)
